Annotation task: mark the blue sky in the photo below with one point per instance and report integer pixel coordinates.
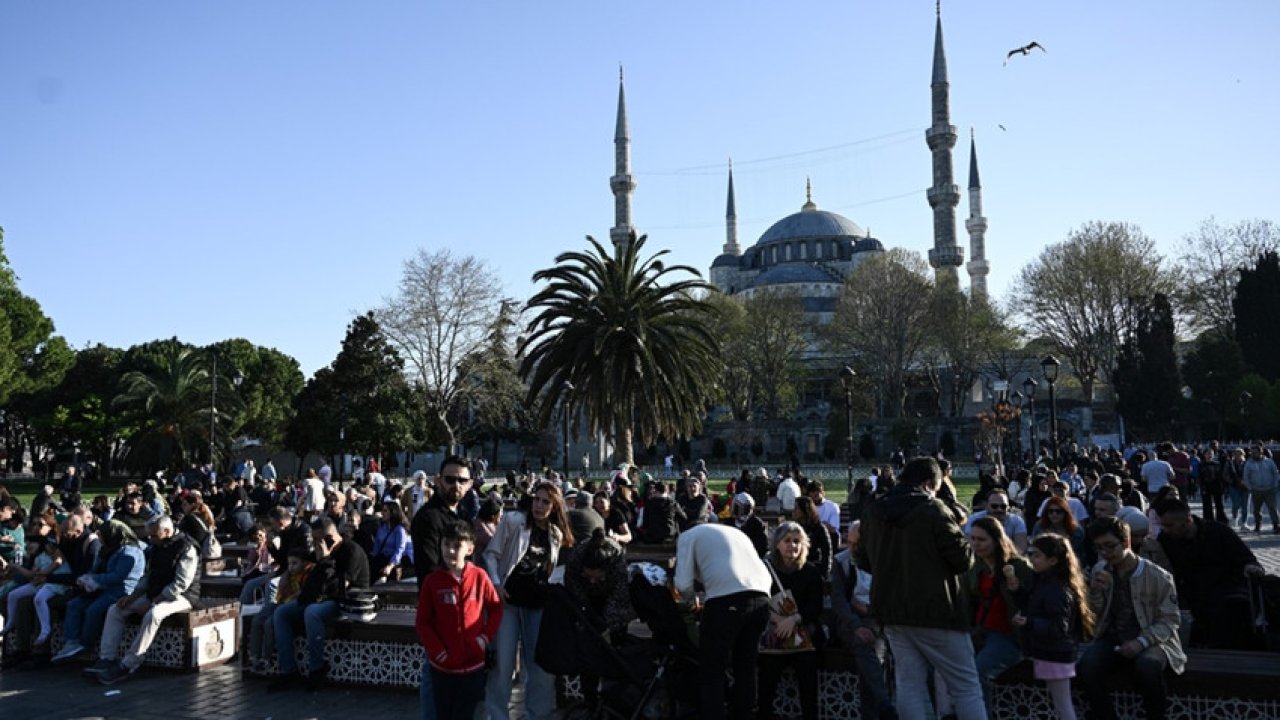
(260, 170)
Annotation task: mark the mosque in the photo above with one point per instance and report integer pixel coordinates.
(812, 251)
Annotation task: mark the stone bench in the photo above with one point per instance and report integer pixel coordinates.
(1215, 684)
(401, 595)
(384, 652)
(200, 638)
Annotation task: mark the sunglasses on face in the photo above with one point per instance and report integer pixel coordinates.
(1054, 512)
(455, 479)
(997, 507)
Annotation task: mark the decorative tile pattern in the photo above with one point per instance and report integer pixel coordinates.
(365, 662)
(1032, 702)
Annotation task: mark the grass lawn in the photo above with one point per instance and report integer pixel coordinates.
(965, 490)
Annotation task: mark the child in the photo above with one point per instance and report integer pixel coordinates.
(262, 639)
(1056, 615)
(47, 562)
(458, 616)
(257, 561)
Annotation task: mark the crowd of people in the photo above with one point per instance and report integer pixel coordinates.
(1090, 566)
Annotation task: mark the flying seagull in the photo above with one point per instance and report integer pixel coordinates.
(1001, 127)
(1024, 50)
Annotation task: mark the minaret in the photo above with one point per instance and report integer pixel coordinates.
(731, 220)
(977, 227)
(622, 183)
(946, 255)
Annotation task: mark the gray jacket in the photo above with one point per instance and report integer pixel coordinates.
(1261, 475)
(509, 544)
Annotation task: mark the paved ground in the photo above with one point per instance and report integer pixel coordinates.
(56, 692)
(220, 694)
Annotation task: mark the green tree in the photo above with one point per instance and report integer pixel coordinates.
(491, 403)
(634, 343)
(882, 323)
(1256, 307)
(170, 406)
(965, 332)
(372, 392)
(1082, 294)
(80, 409)
(270, 380)
(1147, 377)
(1213, 370)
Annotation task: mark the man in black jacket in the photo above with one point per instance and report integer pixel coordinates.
(289, 533)
(923, 611)
(341, 567)
(171, 585)
(429, 522)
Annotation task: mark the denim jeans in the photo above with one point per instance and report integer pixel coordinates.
(315, 619)
(999, 653)
(262, 634)
(426, 693)
(950, 652)
(266, 583)
(458, 694)
(1239, 503)
(86, 616)
(519, 630)
(1100, 665)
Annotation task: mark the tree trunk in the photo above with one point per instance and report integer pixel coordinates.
(622, 444)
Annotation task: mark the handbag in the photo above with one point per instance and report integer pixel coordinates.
(782, 605)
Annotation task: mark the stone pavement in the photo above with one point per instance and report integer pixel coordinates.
(216, 694)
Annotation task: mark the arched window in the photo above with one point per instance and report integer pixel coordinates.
(787, 252)
(818, 250)
(804, 251)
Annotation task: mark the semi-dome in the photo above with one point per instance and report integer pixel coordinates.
(811, 224)
(868, 244)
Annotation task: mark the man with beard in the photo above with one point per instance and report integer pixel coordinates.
(427, 529)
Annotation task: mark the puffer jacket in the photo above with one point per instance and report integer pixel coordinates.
(918, 555)
(1053, 619)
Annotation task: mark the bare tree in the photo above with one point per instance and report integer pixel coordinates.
(964, 332)
(881, 320)
(1082, 294)
(444, 309)
(1210, 260)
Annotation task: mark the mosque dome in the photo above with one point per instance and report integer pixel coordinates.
(811, 223)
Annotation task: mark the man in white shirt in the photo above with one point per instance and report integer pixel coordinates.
(736, 612)
(1156, 473)
(828, 511)
(787, 493)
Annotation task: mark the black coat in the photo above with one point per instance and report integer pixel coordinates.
(1053, 619)
(426, 530)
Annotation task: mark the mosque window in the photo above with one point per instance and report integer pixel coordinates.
(787, 252)
(817, 250)
(804, 247)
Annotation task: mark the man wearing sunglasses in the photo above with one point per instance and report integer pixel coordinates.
(427, 530)
(998, 508)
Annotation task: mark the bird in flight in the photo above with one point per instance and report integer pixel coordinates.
(1001, 127)
(1024, 50)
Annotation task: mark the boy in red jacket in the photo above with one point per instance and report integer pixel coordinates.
(458, 616)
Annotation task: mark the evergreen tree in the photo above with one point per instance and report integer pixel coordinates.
(1256, 306)
(1148, 381)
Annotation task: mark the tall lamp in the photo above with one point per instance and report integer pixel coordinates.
(1049, 365)
(847, 377)
(564, 417)
(1029, 389)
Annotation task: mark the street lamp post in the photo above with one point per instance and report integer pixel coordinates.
(1019, 401)
(1050, 367)
(847, 376)
(1029, 388)
(1245, 398)
(236, 378)
(564, 417)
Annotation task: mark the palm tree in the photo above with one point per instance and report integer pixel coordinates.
(172, 405)
(617, 338)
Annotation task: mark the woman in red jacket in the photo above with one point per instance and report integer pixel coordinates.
(458, 616)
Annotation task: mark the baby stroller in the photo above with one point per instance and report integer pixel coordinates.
(573, 641)
(674, 642)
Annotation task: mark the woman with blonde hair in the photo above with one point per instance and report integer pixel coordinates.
(793, 639)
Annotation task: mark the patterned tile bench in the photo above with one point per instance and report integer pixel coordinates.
(195, 640)
(381, 653)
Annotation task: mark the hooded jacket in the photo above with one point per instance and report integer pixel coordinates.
(452, 615)
(918, 555)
